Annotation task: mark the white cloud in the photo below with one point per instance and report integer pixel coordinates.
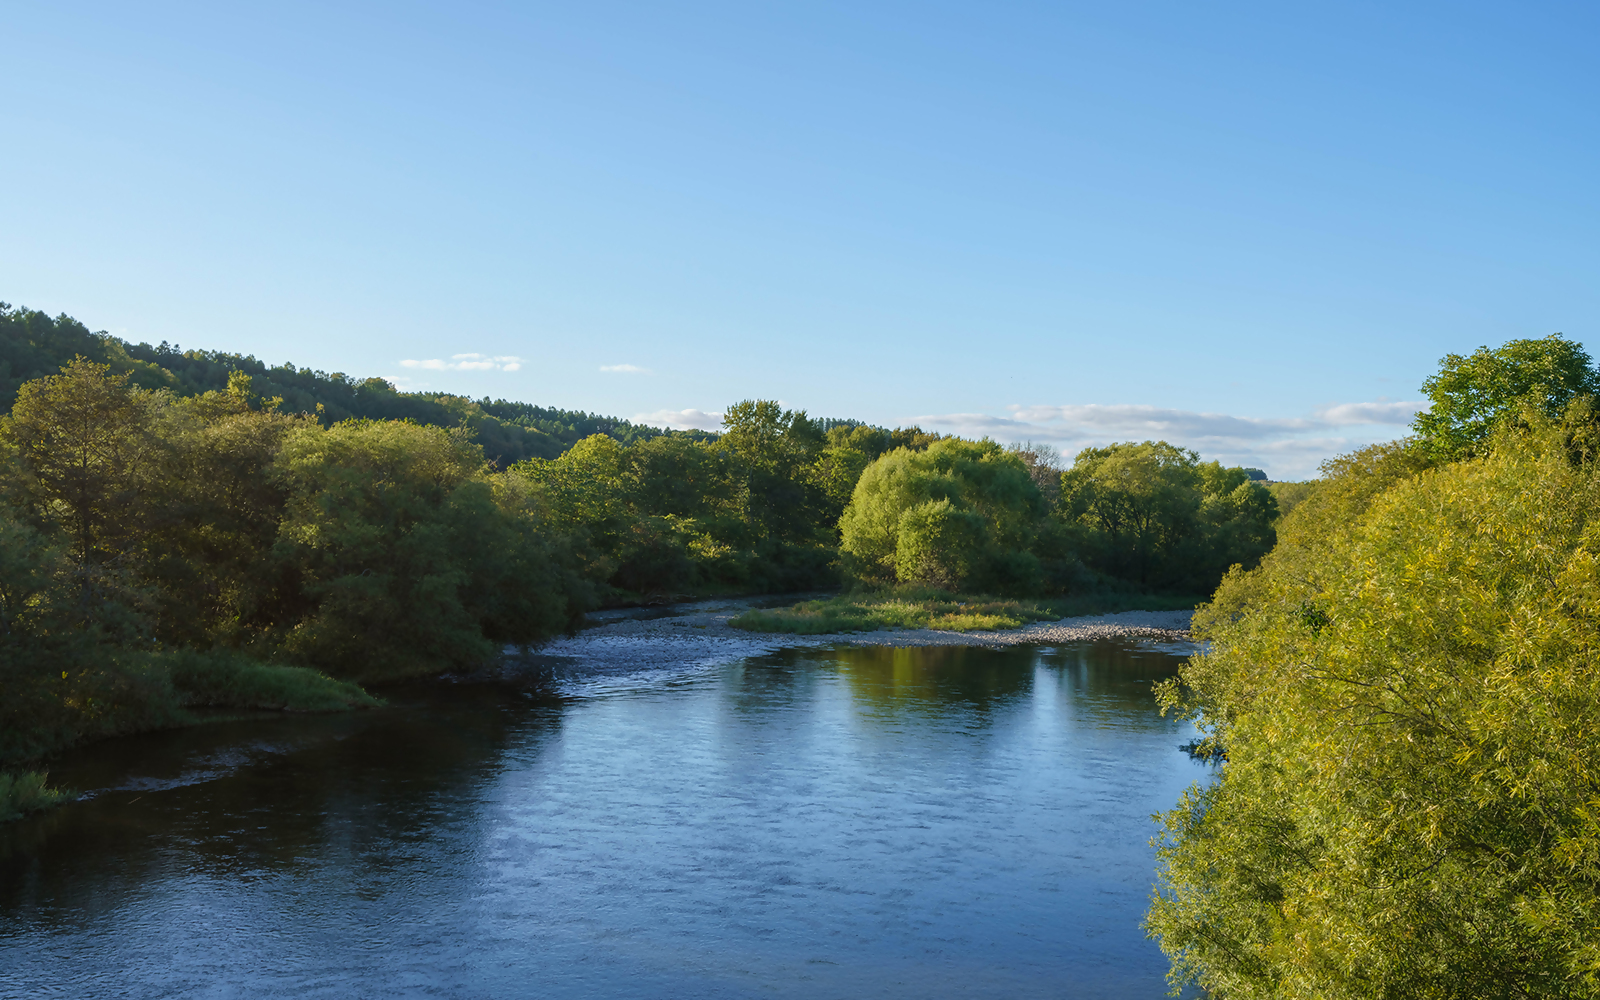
(1286, 447)
(681, 420)
(1130, 419)
(625, 369)
(468, 363)
(1372, 413)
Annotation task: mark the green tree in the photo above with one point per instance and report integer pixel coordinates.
(1155, 515)
(1138, 501)
(85, 440)
(1405, 689)
(412, 556)
(1470, 394)
(955, 514)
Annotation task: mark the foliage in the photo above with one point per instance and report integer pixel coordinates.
(753, 510)
(1471, 394)
(409, 557)
(224, 679)
(902, 608)
(957, 512)
(1406, 689)
(1289, 495)
(1154, 515)
(21, 794)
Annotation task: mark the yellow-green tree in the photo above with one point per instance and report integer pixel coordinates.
(1408, 694)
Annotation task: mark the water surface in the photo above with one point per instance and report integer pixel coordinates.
(862, 822)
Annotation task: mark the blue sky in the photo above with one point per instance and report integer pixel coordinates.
(1248, 228)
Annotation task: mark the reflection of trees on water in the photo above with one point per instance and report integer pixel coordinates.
(1103, 678)
(1112, 681)
(253, 799)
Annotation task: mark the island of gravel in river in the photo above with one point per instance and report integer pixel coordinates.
(698, 634)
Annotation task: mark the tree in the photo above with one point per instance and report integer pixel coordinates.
(958, 513)
(1406, 694)
(775, 450)
(85, 438)
(1155, 515)
(1469, 394)
(1139, 501)
(412, 555)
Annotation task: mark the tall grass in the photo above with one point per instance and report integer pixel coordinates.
(21, 794)
(231, 680)
(51, 706)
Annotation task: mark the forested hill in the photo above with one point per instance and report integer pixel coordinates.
(33, 345)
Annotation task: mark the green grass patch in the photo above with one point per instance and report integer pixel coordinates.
(228, 680)
(21, 794)
(908, 607)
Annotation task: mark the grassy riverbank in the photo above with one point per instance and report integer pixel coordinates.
(21, 794)
(141, 692)
(920, 607)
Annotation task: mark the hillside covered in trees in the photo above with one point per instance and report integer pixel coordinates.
(34, 345)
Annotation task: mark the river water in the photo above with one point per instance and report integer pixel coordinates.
(814, 823)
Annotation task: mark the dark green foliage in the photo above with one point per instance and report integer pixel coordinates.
(21, 794)
(752, 510)
(224, 679)
(160, 552)
(410, 557)
(1157, 516)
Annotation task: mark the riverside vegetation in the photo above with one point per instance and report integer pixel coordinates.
(188, 531)
(1400, 682)
(1407, 698)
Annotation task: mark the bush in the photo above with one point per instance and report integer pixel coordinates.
(21, 794)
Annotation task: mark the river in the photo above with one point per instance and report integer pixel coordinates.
(812, 823)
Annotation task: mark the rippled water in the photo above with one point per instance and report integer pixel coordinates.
(862, 822)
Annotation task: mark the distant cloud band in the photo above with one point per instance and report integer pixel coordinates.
(468, 363)
(1288, 447)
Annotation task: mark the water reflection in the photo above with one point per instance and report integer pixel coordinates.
(929, 822)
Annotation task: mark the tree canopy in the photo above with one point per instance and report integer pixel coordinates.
(1470, 394)
(956, 513)
(1405, 693)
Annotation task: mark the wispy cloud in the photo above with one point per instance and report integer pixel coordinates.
(1372, 413)
(1287, 447)
(681, 420)
(1130, 419)
(625, 369)
(468, 363)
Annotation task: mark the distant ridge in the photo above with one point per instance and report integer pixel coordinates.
(33, 345)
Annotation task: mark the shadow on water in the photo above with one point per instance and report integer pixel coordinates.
(945, 821)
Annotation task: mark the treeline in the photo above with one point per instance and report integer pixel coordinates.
(1406, 693)
(34, 345)
(137, 525)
